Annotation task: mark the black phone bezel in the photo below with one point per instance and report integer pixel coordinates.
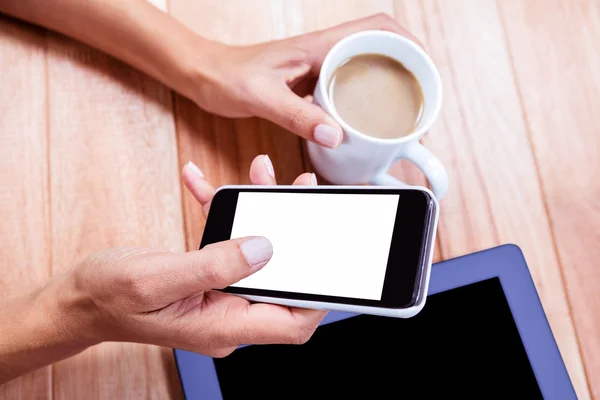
(406, 260)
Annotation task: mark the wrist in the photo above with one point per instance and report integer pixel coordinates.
(73, 313)
(197, 70)
(42, 327)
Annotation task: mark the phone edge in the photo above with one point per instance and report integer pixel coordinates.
(380, 311)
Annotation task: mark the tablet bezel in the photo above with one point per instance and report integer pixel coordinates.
(505, 262)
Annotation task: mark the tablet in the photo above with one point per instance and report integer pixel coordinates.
(482, 334)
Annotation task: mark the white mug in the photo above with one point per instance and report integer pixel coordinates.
(366, 159)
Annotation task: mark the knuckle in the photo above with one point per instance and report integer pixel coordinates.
(244, 88)
(131, 283)
(384, 20)
(298, 119)
(300, 51)
(214, 269)
(301, 335)
(299, 338)
(131, 276)
(383, 17)
(137, 287)
(221, 352)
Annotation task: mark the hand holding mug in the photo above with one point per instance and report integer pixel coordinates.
(269, 80)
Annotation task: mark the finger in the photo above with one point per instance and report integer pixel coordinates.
(283, 107)
(272, 324)
(318, 43)
(206, 209)
(306, 179)
(262, 171)
(216, 266)
(202, 190)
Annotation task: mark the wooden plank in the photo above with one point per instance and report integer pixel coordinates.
(24, 231)
(495, 195)
(224, 148)
(114, 182)
(411, 19)
(555, 57)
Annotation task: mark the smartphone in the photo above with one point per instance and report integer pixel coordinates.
(358, 249)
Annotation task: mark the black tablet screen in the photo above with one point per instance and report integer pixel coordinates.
(464, 344)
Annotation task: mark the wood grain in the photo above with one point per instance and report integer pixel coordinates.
(114, 183)
(224, 148)
(556, 59)
(90, 158)
(495, 195)
(24, 231)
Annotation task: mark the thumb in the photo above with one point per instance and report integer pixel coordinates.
(301, 117)
(219, 265)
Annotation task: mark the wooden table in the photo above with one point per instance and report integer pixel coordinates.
(91, 149)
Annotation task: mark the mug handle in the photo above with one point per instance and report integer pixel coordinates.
(429, 164)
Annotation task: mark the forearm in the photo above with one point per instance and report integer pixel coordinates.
(47, 325)
(131, 30)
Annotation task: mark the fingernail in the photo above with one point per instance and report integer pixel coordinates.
(257, 251)
(313, 180)
(269, 165)
(328, 136)
(196, 170)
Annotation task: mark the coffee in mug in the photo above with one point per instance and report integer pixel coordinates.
(356, 87)
(377, 95)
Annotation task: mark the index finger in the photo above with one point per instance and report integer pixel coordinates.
(202, 190)
(320, 42)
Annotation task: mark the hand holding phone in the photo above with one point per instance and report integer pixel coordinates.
(216, 323)
(357, 249)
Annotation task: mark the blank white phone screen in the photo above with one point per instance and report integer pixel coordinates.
(323, 244)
